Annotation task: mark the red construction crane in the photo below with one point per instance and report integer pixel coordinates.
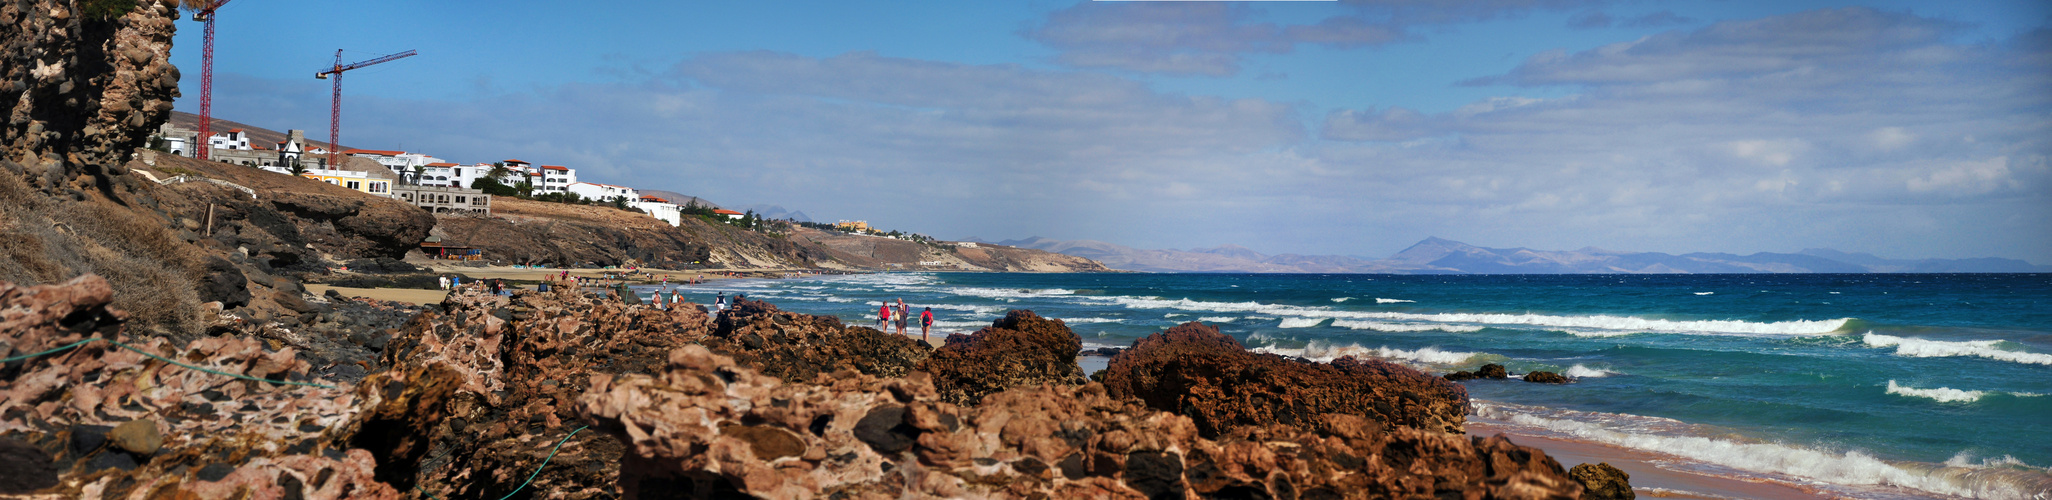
(206, 114)
(335, 113)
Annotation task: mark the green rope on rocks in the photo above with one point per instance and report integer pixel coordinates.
(530, 477)
(118, 343)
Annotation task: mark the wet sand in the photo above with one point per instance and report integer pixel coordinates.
(409, 295)
(1648, 479)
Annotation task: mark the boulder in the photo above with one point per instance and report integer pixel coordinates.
(1491, 371)
(139, 437)
(1020, 349)
(1602, 482)
(1195, 371)
(800, 347)
(709, 426)
(1544, 377)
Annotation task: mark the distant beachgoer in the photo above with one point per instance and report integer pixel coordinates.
(925, 322)
(883, 317)
(443, 280)
(903, 315)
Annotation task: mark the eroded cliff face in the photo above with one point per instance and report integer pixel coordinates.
(84, 82)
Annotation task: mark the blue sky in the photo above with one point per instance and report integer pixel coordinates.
(1904, 129)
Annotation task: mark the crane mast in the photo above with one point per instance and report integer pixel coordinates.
(206, 114)
(335, 110)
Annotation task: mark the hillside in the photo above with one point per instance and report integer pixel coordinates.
(257, 135)
(531, 232)
(1436, 255)
(862, 251)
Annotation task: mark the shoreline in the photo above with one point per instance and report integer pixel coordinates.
(1648, 478)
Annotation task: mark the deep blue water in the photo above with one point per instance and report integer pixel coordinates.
(1908, 383)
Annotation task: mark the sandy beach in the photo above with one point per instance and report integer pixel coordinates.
(1648, 478)
(392, 294)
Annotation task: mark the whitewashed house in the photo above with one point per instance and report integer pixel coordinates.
(603, 192)
(659, 208)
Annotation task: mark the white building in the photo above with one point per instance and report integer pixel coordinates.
(400, 162)
(554, 179)
(659, 208)
(235, 139)
(602, 192)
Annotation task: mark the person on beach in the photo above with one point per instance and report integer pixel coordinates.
(442, 280)
(902, 316)
(925, 322)
(720, 302)
(883, 317)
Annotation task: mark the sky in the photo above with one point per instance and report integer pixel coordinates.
(1904, 129)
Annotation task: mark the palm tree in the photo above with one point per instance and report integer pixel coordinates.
(418, 171)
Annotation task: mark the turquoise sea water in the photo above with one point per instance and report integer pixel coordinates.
(1860, 385)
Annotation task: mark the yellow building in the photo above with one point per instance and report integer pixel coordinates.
(359, 181)
(852, 225)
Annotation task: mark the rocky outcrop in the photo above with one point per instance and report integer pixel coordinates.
(1490, 371)
(1544, 377)
(84, 82)
(112, 422)
(1196, 371)
(708, 426)
(1601, 481)
(801, 347)
(1020, 349)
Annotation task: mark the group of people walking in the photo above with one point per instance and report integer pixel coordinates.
(495, 285)
(887, 316)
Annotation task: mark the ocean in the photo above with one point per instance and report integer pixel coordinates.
(1861, 385)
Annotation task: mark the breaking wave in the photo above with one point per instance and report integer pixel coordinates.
(1579, 371)
(1301, 322)
(1217, 319)
(1380, 300)
(1593, 325)
(1920, 348)
(1325, 353)
(1404, 327)
(1947, 394)
(1849, 468)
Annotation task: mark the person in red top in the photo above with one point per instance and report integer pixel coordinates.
(883, 317)
(925, 322)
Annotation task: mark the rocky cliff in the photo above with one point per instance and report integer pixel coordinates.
(873, 252)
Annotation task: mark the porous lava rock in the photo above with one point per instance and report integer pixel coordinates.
(84, 83)
(478, 395)
(117, 423)
(1601, 481)
(1020, 349)
(1194, 370)
(1490, 371)
(1544, 377)
(709, 426)
(800, 347)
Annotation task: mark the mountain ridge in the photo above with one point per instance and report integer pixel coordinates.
(1435, 255)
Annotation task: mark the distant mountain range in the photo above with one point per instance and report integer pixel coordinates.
(1441, 256)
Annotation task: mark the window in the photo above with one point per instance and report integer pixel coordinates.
(377, 187)
(460, 199)
(354, 185)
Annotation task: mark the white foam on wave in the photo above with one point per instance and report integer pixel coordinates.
(1941, 394)
(1091, 320)
(1593, 325)
(1380, 300)
(1301, 322)
(1579, 371)
(1849, 468)
(831, 298)
(1217, 319)
(1705, 293)
(1325, 352)
(1342, 299)
(1381, 326)
(972, 309)
(1920, 348)
(1009, 293)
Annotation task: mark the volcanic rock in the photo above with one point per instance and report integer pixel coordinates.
(1603, 482)
(25, 468)
(800, 347)
(1492, 371)
(709, 426)
(1020, 349)
(1195, 371)
(1545, 378)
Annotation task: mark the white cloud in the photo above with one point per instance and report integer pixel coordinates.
(1890, 138)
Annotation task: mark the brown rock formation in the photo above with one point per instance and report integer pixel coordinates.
(801, 347)
(84, 82)
(1603, 482)
(707, 426)
(1196, 371)
(1018, 350)
(1544, 377)
(114, 422)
